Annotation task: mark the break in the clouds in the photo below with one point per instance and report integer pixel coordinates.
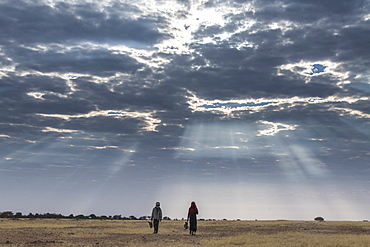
(173, 101)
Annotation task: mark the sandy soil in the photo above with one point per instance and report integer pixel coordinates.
(48, 232)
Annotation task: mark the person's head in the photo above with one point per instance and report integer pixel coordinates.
(157, 204)
(193, 204)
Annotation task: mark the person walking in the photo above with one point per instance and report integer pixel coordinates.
(156, 216)
(192, 216)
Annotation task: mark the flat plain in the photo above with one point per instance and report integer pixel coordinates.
(70, 232)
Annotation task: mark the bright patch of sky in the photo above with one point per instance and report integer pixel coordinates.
(230, 140)
(196, 15)
(260, 200)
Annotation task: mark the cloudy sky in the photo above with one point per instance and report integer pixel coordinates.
(253, 109)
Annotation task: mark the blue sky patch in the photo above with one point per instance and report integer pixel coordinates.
(236, 105)
(317, 69)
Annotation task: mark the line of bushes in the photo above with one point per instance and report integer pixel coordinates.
(19, 215)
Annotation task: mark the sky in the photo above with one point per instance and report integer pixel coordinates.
(252, 109)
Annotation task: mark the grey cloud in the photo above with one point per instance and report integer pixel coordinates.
(307, 11)
(186, 3)
(105, 125)
(183, 14)
(354, 43)
(30, 23)
(327, 6)
(363, 87)
(35, 83)
(79, 60)
(246, 73)
(254, 69)
(208, 31)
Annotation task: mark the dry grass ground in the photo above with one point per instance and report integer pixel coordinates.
(51, 232)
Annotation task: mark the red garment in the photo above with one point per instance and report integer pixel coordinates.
(193, 209)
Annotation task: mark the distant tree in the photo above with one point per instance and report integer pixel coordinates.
(103, 217)
(166, 218)
(6, 214)
(92, 216)
(54, 216)
(30, 216)
(18, 215)
(132, 217)
(50, 216)
(80, 217)
(319, 219)
(117, 217)
(71, 216)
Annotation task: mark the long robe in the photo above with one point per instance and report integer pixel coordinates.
(193, 222)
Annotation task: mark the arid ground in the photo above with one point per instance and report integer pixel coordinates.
(68, 232)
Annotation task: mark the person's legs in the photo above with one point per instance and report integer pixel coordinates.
(156, 224)
(193, 224)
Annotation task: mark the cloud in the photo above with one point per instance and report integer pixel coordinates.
(149, 125)
(75, 60)
(27, 22)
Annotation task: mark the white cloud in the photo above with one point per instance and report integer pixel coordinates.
(231, 107)
(147, 117)
(50, 129)
(350, 112)
(274, 128)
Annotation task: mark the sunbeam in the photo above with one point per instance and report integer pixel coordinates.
(217, 139)
(300, 173)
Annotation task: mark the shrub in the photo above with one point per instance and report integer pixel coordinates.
(7, 214)
(18, 215)
(132, 217)
(81, 217)
(319, 218)
(92, 216)
(117, 217)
